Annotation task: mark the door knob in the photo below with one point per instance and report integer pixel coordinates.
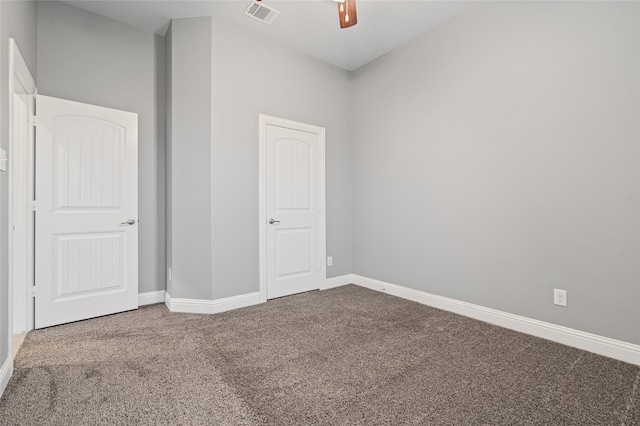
(273, 222)
(128, 222)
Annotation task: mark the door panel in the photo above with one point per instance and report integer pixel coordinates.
(88, 263)
(294, 255)
(294, 174)
(86, 191)
(89, 160)
(298, 262)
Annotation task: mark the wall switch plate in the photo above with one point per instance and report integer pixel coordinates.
(169, 274)
(3, 160)
(330, 261)
(560, 297)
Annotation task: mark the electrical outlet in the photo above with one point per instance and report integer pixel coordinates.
(330, 261)
(560, 297)
(169, 275)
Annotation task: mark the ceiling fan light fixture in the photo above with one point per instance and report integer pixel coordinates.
(347, 13)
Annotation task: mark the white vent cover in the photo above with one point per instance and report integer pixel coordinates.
(261, 12)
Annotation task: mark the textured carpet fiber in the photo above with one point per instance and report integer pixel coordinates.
(346, 356)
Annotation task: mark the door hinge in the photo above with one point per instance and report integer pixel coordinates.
(34, 121)
(32, 291)
(32, 205)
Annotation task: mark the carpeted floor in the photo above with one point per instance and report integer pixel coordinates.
(347, 356)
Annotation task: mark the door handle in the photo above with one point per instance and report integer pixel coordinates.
(273, 222)
(128, 222)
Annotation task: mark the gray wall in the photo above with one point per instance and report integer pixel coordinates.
(17, 20)
(496, 158)
(252, 75)
(88, 58)
(221, 78)
(188, 157)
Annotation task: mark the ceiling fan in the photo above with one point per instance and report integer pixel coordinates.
(347, 13)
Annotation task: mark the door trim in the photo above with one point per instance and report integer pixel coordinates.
(20, 80)
(265, 120)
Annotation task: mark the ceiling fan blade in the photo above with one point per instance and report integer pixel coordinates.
(347, 13)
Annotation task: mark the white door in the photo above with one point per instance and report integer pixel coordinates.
(86, 211)
(294, 216)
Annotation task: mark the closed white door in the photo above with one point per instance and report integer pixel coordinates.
(294, 216)
(86, 211)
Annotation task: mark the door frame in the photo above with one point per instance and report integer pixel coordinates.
(264, 121)
(20, 82)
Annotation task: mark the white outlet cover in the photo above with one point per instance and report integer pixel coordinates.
(560, 297)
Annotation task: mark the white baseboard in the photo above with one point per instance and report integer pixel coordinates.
(5, 374)
(198, 306)
(337, 281)
(612, 348)
(150, 298)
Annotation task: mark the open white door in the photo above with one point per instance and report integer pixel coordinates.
(86, 211)
(293, 218)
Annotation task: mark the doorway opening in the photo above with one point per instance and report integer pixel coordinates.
(22, 91)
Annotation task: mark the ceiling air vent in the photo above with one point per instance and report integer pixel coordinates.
(261, 12)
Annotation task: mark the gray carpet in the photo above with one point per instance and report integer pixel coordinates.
(347, 356)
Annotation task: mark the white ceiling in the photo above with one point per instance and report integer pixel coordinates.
(310, 26)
